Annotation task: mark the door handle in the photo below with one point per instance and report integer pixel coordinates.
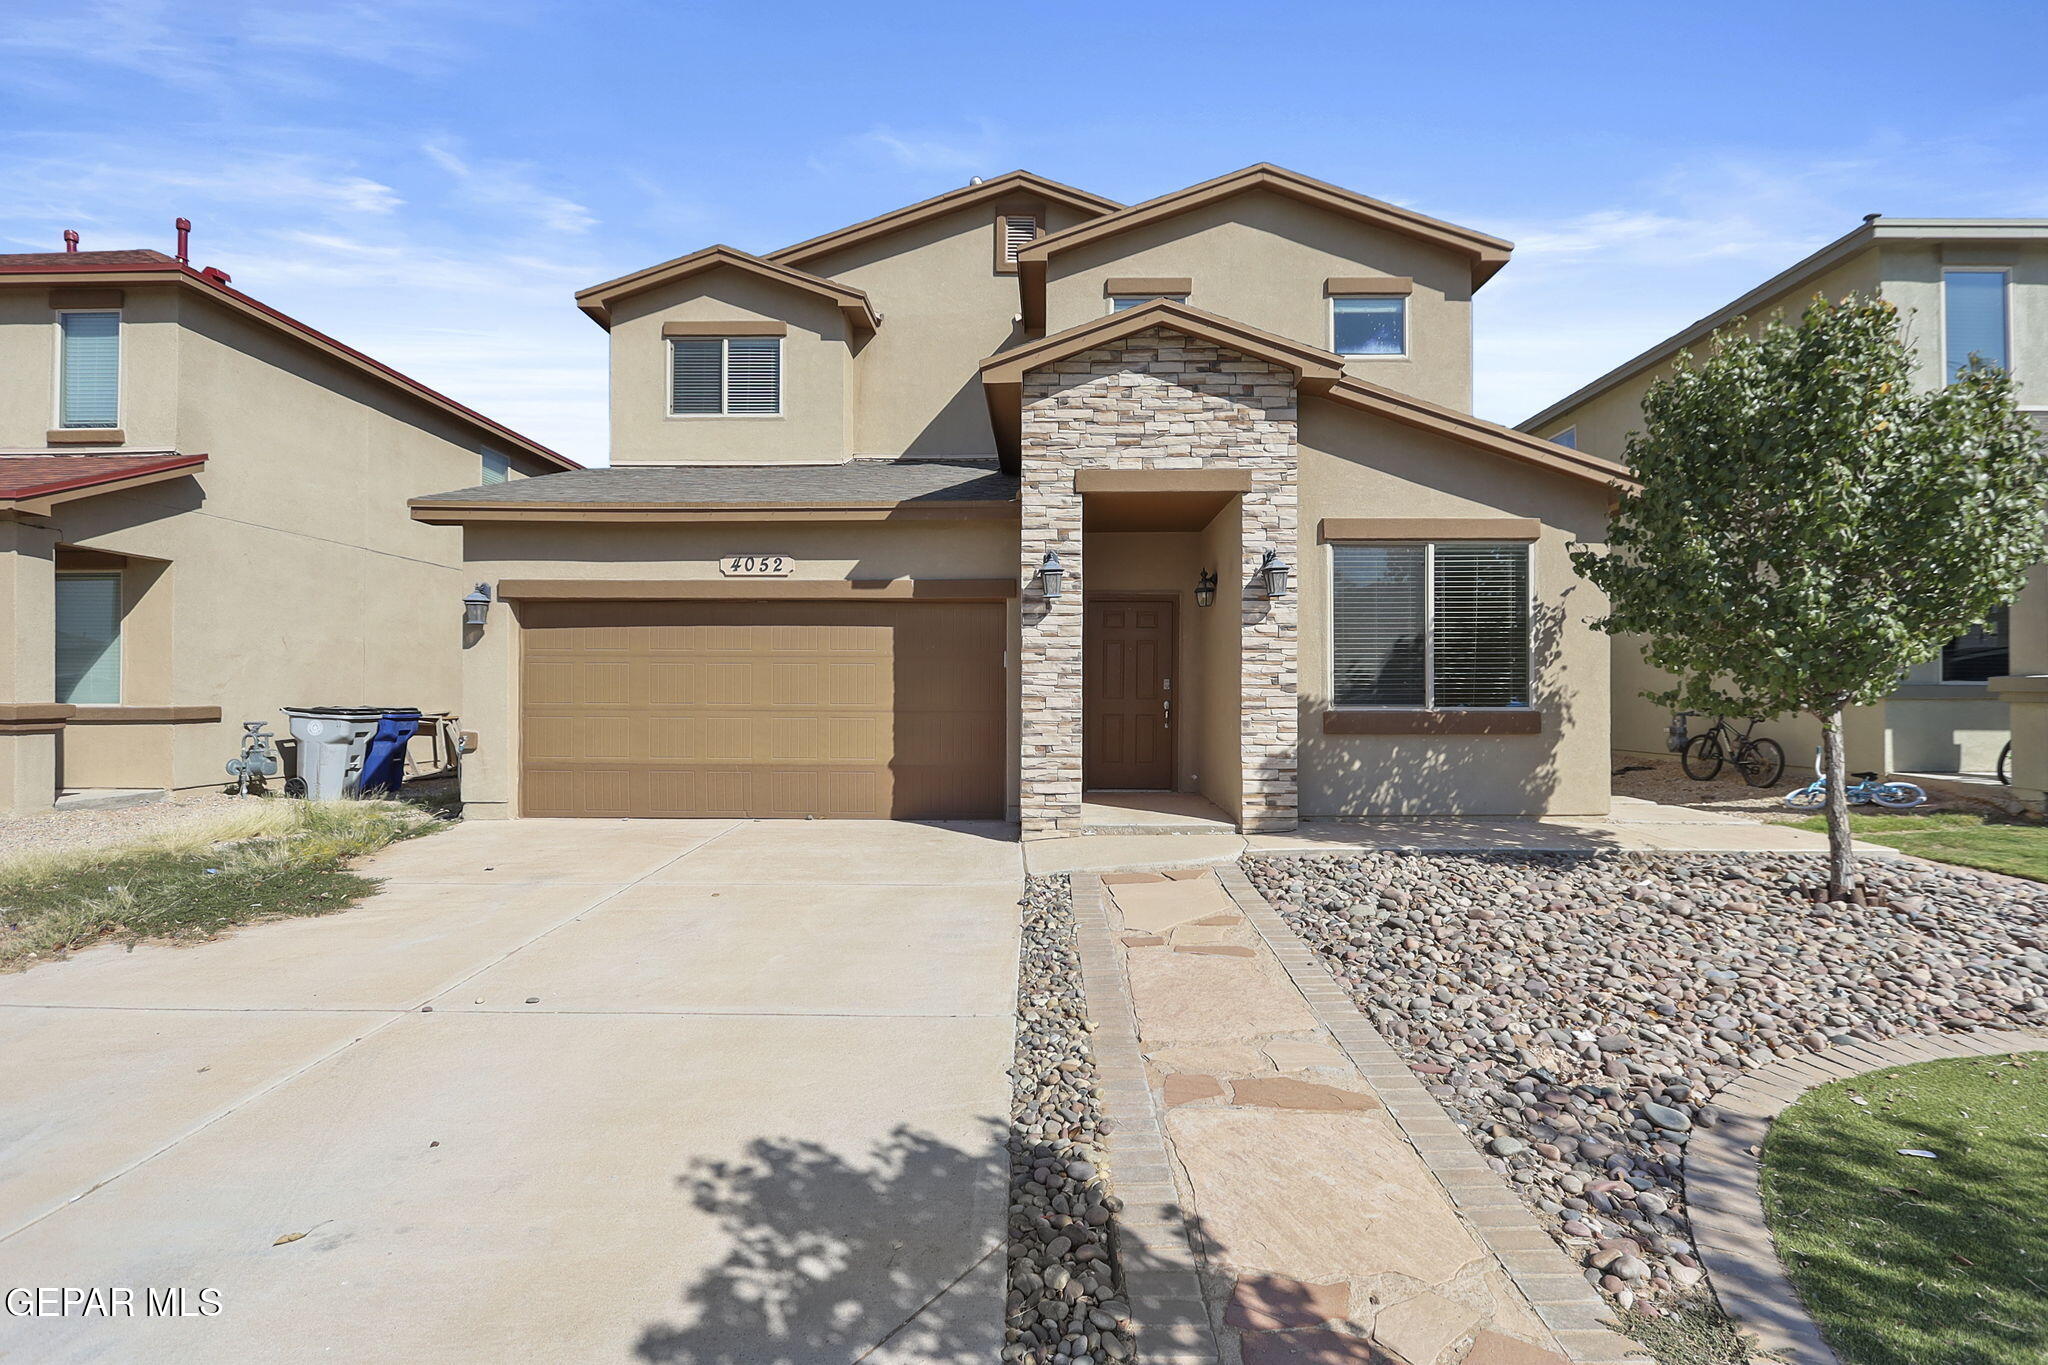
(1166, 711)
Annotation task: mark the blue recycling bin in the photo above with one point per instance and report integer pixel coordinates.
(384, 760)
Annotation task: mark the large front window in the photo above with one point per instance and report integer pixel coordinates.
(89, 639)
(1973, 319)
(1980, 654)
(730, 376)
(1438, 625)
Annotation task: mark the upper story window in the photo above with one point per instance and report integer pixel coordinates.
(89, 369)
(1568, 438)
(729, 376)
(1369, 325)
(88, 639)
(497, 468)
(1430, 625)
(1119, 302)
(1974, 320)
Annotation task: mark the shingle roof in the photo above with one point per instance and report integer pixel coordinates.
(82, 260)
(35, 476)
(856, 481)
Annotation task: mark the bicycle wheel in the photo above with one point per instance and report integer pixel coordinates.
(1702, 757)
(1762, 763)
(2005, 765)
(1807, 798)
(1898, 795)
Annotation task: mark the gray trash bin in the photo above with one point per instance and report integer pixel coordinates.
(332, 743)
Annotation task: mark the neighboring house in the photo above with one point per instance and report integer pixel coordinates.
(1017, 494)
(202, 519)
(1963, 287)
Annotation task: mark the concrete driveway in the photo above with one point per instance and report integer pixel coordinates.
(663, 1091)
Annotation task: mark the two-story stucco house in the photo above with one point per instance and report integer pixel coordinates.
(202, 519)
(1018, 498)
(1963, 287)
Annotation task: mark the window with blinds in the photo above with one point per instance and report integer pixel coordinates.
(1436, 625)
(1973, 318)
(89, 639)
(732, 376)
(1018, 230)
(497, 468)
(89, 370)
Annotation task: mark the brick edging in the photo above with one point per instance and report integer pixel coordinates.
(1169, 1317)
(1725, 1202)
(1554, 1287)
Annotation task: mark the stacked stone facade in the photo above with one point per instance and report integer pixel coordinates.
(1157, 399)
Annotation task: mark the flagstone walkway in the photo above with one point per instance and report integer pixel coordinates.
(1322, 1234)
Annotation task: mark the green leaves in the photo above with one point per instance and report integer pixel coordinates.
(1809, 526)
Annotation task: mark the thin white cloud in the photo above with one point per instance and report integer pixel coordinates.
(982, 149)
(508, 185)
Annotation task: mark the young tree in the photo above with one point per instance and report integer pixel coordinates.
(1809, 526)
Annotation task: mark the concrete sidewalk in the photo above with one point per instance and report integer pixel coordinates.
(565, 1090)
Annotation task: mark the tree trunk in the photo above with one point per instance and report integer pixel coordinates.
(1835, 766)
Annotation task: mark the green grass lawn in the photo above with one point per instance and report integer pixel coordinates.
(1998, 845)
(265, 858)
(1909, 1261)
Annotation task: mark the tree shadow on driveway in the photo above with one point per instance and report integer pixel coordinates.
(843, 1260)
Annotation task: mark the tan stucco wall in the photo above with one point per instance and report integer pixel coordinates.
(1262, 259)
(287, 571)
(1357, 465)
(824, 551)
(1912, 280)
(816, 392)
(944, 308)
(1219, 654)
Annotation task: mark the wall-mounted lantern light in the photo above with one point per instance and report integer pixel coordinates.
(1274, 570)
(1205, 589)
(1050, 576)
(477, 605)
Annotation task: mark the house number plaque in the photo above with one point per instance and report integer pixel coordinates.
(757, 566)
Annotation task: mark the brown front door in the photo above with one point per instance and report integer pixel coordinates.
(751, 710)
(1127, 695)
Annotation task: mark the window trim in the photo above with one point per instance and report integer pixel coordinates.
(724, 341)
(1406, 351)
(2008, 298)
(120, 578)
(1428, 704)
(57, 316)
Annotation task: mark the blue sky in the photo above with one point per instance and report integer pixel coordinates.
(431, 180)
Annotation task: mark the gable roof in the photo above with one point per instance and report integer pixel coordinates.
(597, 300)
(1870, 232)
(1488, 254)
(1318, 373)
(112, 267)
(31, 483)
(1002, 374)
(1012, 184)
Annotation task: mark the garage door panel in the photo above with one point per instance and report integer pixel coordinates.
(751, 709)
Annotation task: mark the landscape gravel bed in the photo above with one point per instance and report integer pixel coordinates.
(1578, 1013)
(57, 831)
(1064, 1300)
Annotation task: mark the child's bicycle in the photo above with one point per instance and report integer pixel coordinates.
(1864, 790)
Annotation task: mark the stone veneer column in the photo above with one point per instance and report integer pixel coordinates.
(1157, 399)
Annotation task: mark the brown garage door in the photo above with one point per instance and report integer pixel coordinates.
(763, 709)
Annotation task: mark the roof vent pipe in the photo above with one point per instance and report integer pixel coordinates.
(184, 241)
(71, 239)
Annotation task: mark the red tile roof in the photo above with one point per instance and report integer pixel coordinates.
(38, 476)
(84, 260)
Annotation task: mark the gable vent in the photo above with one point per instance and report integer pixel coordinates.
(1018, 230)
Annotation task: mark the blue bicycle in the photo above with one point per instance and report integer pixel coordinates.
(1864, 790)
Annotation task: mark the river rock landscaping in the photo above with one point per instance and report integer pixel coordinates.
(1577, 1013)
(1064, 1302)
